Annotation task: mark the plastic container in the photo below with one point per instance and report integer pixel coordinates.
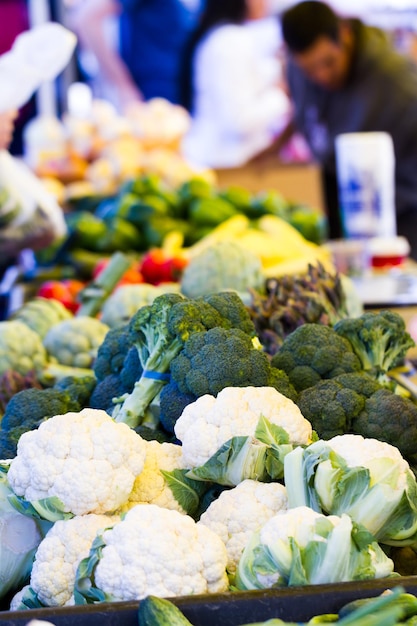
(387, 252)
(366, 180)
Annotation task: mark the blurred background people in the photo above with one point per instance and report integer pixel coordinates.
(231, 83)
(345, 76)
(140, 58)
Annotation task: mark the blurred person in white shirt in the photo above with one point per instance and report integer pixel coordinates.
(232, 84)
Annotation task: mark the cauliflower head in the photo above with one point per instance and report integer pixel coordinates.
(86, 460)
(59, 553)
(300, 546)
(157, 551)
(240, 511)
(365, 478)
(40, 314)
(150, 486)
(207, 423)
(125, 301)
(222, 266)
(75, 341)
(21, 348)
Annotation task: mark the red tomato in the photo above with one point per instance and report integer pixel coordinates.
(57, 290)
(157, 267)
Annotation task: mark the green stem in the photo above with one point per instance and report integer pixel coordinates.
(93, 296)
(134, 409)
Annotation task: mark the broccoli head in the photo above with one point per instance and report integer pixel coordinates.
(331, 406)
(112, 352)
(231, 307)
(223, 357)
(172, 402)
(356, 403)
(115, 385)
(80, 388)
(27, 410)
(390, 417)
(159, 331)
(380, 340)
(313, 352)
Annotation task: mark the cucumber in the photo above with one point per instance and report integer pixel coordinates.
(154, 611)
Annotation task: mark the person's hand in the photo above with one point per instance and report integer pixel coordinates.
(6, 128)
(127, 93)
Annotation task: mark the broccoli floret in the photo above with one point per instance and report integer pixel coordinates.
(172, 402)
(331, 406)
(231, 306)
(80, 388)
(110, 387)
(112, 352)
(27, 410)
(314, 352)
(159, 331)
(356, 403)
(132, 369)
(390, 417)
(380, 340)
(219, 358)
(115, 385)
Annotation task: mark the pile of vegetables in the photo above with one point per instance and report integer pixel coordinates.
(179, 443)
(145, 211)
(187, 459)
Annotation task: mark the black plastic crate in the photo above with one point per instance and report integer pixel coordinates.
(226, 609)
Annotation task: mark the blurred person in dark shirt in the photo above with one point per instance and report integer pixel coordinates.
(344, 76)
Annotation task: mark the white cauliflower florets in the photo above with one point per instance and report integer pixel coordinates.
(150, 486)
(157, 551)
(209, 422)
(360, 451)
(85, 459)
(59, 554)
(240, 511)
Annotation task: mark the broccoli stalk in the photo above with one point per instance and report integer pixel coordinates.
(159, 332)
(156, 348)
(380, 340)
(93, 296)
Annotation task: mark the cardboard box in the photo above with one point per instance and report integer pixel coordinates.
(298, 182)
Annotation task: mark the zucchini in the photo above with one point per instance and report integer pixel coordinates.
(154, 611)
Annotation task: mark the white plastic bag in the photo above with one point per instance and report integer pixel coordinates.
(37, 55)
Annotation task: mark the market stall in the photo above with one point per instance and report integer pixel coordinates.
(203, 399)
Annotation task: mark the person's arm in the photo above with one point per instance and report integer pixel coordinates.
(6, 128)
(89, 24)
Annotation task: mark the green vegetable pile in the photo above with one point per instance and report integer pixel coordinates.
(144, 211)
